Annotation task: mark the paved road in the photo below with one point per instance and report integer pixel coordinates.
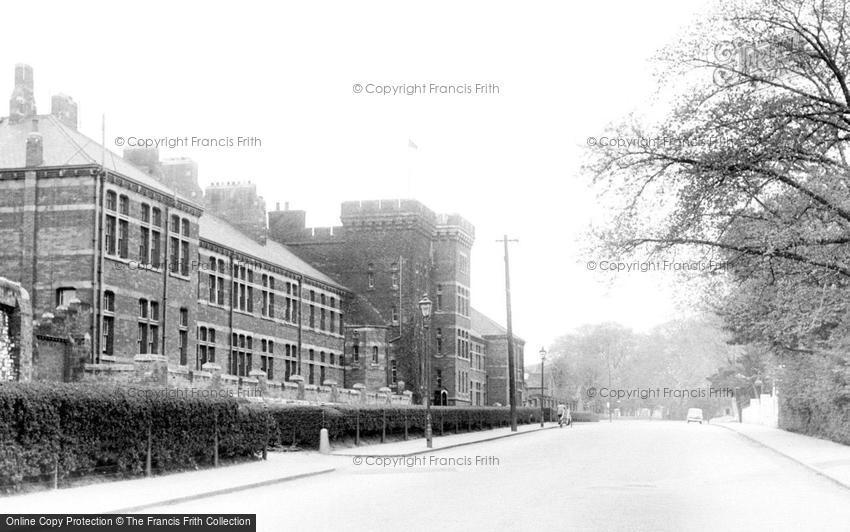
(630, 475)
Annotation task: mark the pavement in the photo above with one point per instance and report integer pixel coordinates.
(824, 457)
(138, 494)
(626, 475)
(415, 447)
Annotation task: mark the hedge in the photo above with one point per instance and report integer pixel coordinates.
(300, 425)
(814, 396)
(66, 430)
(584, 417)
(58, 431)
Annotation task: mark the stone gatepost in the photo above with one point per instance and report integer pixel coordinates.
(361, 389)
(334, 386)
(151, 370)
(386, 394)
(17, 363)
(400, 387)
(408, 395)
(262, 381)
(299, 380)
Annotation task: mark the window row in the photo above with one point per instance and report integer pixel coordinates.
(395, 275)
(374, 353)
(462, 343)
(463, 382)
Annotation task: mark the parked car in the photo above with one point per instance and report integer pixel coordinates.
(695, 414)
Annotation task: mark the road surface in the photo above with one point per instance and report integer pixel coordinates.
(628, 475)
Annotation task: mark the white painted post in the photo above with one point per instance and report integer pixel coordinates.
(324, 442)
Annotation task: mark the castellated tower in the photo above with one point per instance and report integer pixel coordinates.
(239, 205)
(181, 174)
(391, 252)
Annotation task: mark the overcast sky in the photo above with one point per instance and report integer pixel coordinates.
(508, 162)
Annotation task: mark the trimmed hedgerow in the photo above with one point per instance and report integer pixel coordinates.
(300, 425)
(584, 417)
(71, 429)
(67, 430)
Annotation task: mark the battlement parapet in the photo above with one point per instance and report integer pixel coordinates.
(452, 223)
(391, 207)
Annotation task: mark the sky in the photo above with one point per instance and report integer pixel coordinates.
(506, 158)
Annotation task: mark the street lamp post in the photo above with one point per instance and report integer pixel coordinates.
(425, 308)
(542, 381)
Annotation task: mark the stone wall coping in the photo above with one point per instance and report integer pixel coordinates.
(311, 387)
(330, 382)
(232, 378)
(359, 386)
(290, 385)
(207, 366)
(296, 378)
(109, 367)
(201, 373)
(407, 393)
(249, 380)
(178, 369)
(150, 358)
(257, 373)
(385, 390)
(324, 388)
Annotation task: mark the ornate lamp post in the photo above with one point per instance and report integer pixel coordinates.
(425, 308)
(542, 381)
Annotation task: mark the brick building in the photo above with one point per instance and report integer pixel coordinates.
(80, 225)
(495, 338)
(391, 252)
(150, 265)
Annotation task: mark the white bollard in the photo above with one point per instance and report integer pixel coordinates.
(324, 442)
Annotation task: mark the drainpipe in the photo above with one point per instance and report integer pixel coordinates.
(300, 322)
(230, 313)
(97, 264)
(165, 279)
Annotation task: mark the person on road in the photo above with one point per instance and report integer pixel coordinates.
(562, 411)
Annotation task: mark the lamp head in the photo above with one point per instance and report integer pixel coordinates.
(425, 306)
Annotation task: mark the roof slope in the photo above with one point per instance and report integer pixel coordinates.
(361, 312)
(65, 146)
(217, 231)
(486, 326)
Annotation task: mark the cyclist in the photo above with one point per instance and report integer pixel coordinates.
(562, 412)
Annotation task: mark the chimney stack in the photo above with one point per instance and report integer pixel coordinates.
(22, 102)
(64, 108)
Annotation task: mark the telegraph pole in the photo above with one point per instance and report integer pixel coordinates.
(511, 364)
